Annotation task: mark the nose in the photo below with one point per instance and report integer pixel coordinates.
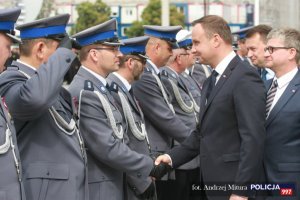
(250, 53)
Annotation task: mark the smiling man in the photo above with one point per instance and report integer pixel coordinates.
(230, 138)
(281, 157)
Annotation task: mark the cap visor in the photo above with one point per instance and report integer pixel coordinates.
(143, 56)
(119, 43)
(14, 38)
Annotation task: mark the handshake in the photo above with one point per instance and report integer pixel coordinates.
(161, 167)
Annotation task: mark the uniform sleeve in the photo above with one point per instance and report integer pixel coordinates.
(27, 99)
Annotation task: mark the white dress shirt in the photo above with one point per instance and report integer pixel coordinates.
(221, 67)
(123, 80)
(100, 78)
(283, 82)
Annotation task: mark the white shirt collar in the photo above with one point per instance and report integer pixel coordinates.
(100, 78)
(154, 66)
(187, 71)
(27, 65)
(285, 79)
(220, 68)
(123, 80)
(172, 70)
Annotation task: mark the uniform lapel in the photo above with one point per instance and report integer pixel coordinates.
(97, 84)
(285, 97)
(125, 91)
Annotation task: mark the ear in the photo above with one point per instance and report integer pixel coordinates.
(292, 54)
(93, 55)
(39, 48)
(130, 63)
(216, 40)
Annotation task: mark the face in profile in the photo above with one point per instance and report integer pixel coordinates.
(5, 51)
(255, 47)
(202, 45)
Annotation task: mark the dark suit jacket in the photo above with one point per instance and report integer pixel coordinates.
(282, 150)
(231, 134)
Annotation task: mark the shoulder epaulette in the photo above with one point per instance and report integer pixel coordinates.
(13, 68)
(164, 73)
(147, 69)
(88, 85)
(114, 87)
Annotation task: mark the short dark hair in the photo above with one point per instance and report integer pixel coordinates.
(215, 24)
(27, 45)
(262, 29)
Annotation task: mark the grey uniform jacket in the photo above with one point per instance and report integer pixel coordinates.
(200, 73)
(188, 118)
(108, 156)
(52, 158)
(11, 187)
(192, 85)
(136, 186)
(163, 127)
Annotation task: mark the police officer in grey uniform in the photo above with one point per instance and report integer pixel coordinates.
(163, 126)
(50, 145)
(11, 187)
(100, 121)
(185, 42)
(187, 110)
(131, 67)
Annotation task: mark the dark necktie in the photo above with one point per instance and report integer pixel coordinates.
(211, 83)
(264, 74)
(270, 97)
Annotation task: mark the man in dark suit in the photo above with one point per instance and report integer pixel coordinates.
(230, 137)
(132, 65)
(256, 40)
(281, 157)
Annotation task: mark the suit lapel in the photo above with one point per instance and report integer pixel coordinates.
(205, 103)
(285, 97)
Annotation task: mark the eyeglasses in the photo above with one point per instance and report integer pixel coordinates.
(113, 49)
(271, 49)
(142, 60)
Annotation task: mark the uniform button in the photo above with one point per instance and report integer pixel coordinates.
(48, 173)
(139, 174)
(68, 60)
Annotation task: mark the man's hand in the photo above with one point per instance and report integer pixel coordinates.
(149, 192)
(236, 197)
(163, 158)
(158, 171)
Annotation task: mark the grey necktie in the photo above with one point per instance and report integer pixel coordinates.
(270, 96)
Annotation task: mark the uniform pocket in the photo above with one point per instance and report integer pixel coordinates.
(43, 179)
